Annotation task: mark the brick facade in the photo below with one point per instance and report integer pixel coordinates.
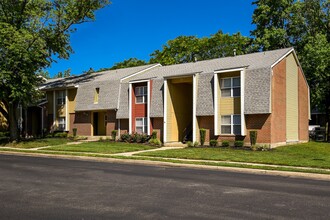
(82, 121)
(260, 123)
(111, 122)
(157, 125)
(278, 116)
(303, 107)
(138, 110)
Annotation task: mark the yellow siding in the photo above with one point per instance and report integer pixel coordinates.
(179, 110)
(172, 125)
(291, 99)
(227, 105)
(50, 102)
(230, 106)
(72, 100)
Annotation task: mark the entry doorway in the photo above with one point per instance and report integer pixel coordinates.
(99, 123)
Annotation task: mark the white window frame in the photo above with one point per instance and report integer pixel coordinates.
(232, 87)
(144, 94)
(144, 124)
(61, 123)
(61, 97)
(231, 125)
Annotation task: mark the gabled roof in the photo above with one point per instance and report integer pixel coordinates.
(108, 83)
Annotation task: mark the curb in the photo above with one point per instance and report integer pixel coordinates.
(289, 174)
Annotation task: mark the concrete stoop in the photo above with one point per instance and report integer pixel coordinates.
(175, 144)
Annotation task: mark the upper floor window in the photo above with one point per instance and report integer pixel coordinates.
(141, 94)
(231, 124)
(96, 95)
(230, 87)
(61, 97)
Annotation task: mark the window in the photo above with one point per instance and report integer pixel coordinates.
(230, 87)
(96, 95)
(141, 94)
(141, 125)
(61, 123)
(60, 97)
(105, 120)
(231, 124)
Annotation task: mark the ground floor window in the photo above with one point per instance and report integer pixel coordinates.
(141, 125)
(61, 123)
(231, 124)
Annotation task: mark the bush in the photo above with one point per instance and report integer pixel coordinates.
(61, 135)
(202, 132)
(155, 141)
(154, 135)
(101, 139)
(213, 143)
(253, 137)
(74, 131)
(125, 137)
(225, 144)
(4, 134)
(239, 143)
(189, 144)
(114, 134)
(257, 147)
(196, 144)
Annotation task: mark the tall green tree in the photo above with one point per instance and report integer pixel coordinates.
(304, 25)
(131, 62)
(32, 33)
(184, 49)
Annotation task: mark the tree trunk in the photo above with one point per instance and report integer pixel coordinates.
(13, 122)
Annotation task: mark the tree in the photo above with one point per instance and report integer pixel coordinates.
(32, 33)
(184, 49)
(305, 25)
(131, 62)
(67, 73)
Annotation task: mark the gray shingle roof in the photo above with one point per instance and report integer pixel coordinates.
(257, 81)
(108, 83)
(122, 112)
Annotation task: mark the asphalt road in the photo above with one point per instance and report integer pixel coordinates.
(44, 188)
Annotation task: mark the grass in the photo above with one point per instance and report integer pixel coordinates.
(312, 154)
(27, 144)
(102, 147)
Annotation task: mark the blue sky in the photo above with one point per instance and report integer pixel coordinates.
(131, 28)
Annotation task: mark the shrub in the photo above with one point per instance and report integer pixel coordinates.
(61, 135)
(239, 143)
(253, 137)
(101, 139)
(114, 134)
(74, 131)
(202, 132)
(196, 144)
(190, 144)
(213, 143)
(125, 137)
(225, 144)
(258, 147)
(155, 141)
(154, 135)
(4, 134)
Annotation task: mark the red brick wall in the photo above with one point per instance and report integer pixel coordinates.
(157, 125)
(260, 123)
(278, 116)
(82, 121)
(138, 110)
(207, 122)
(303, 107)
(111, 123)
(123, 126)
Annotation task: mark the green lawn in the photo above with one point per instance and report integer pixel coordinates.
(38, 143)
(102, 147)
(311, 154)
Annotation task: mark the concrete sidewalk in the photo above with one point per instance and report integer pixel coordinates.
(128, 154)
